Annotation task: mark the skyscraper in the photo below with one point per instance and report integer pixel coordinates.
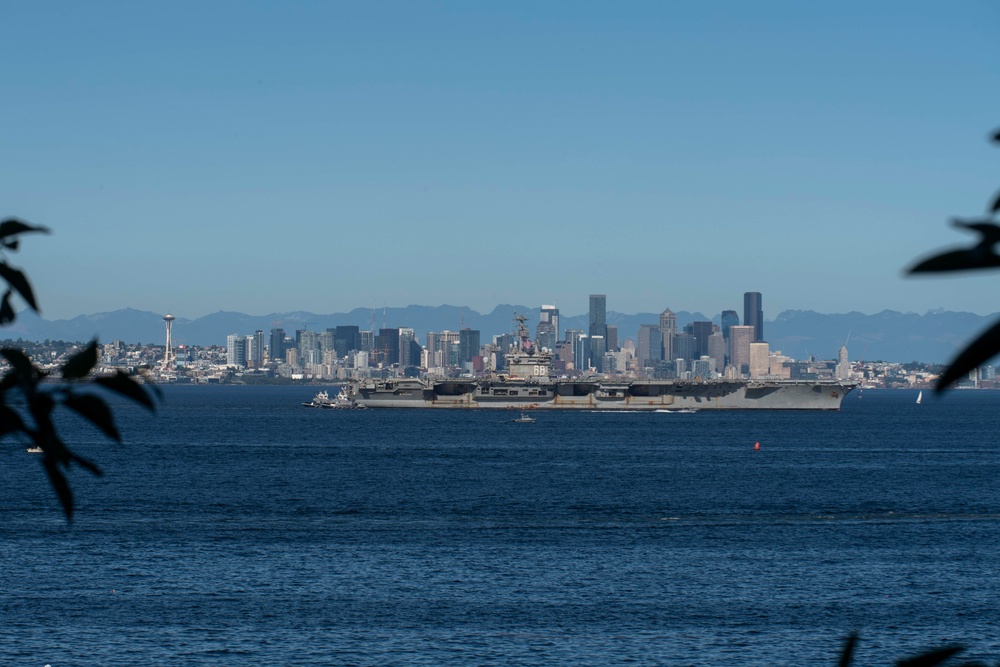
(236, 350)
(668, 327)
(598, 325)
(649, 348)
(701, 331)
(276, 350)
(753, 315)
(547, 332)
(739, 347)
(468, 345)
(729, 319)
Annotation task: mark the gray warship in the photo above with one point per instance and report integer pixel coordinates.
(526, 385)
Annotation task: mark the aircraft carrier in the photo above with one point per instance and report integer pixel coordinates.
(526, 385)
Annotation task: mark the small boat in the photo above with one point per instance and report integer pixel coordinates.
(343, 401)
(524, 419)
(34, 450)
(920, 397)
(320, 400)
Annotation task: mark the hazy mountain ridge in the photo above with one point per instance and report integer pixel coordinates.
(889, 335)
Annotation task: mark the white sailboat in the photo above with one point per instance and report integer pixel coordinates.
(920, 396)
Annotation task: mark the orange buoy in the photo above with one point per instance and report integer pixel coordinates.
(756, 446)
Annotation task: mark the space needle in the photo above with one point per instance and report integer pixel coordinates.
(168, 358)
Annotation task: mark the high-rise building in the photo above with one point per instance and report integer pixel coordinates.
(598, 315)
(701, 331)
(717, 350)
(753, 315)
(668, 327)
(255, 349)
(276, 349)
(740, 338)
(468, 345)
(597, 350)
(760, 362)
(308, 344)
(649, 348)
(346, 338)
(581, 352)
(550, 316)
(684, 347)
(729, 319)
(598, 325)
(843, 369)
(612, 340)
(236, 350)
(386, 350)
(325, 340)
(410, 352)
(368, 343)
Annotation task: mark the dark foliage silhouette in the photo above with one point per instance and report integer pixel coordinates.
(982, 255)
(28, 396)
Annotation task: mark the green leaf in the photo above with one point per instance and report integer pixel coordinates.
(20, 361)
(12, 226)
(94, 410)
(122, 384)
(9, 381)
(17, 280)
(81, 363)
(61, 486)
(973, 356)
(848, 653)
(86, 463)
(10, 421)
(7, 313)
(931, 658)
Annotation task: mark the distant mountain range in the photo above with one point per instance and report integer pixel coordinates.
(933, 337)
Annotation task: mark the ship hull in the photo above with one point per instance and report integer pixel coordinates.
(602, 395)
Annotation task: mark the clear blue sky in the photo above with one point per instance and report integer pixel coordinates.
(263, 157)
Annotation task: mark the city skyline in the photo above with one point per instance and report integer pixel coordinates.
(477, 155)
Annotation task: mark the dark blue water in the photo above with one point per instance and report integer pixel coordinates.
(237, 528)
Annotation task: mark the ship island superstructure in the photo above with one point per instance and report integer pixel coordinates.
(527, 383)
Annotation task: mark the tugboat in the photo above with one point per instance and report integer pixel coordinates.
(342, 401)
